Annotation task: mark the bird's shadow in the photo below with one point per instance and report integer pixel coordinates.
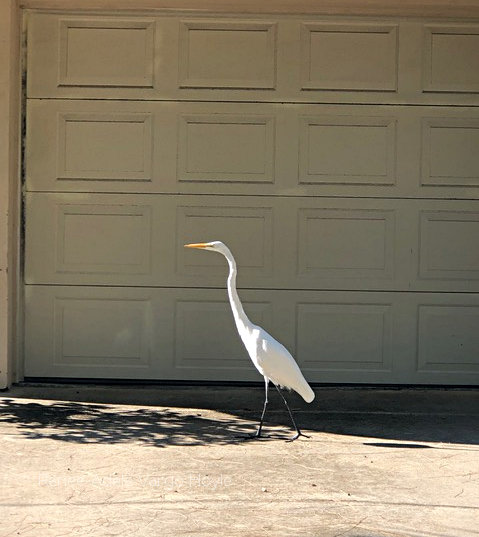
(87, 423)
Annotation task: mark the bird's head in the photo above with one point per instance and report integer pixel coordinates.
(214, 246)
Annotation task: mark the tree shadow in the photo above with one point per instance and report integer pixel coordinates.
(71, 421)
(87, 423)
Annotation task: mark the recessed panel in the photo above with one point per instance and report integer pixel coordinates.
(347, 151)
(450, 152)
(226, 149)
(100, 332)
(346, 243)
(247, 232)
(198, 345)
(343, 336)
(103, 239)
(165, 333)
(451, 59)
(106, 53)
(104, 147)
(227, 55)
(449, 245)
(448, 338)
(349, 57)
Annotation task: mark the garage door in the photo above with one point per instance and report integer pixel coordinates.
(338, 158)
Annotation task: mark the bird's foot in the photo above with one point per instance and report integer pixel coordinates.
(296, 436)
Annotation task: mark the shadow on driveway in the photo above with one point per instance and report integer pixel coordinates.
(104, 423)
(91, 423)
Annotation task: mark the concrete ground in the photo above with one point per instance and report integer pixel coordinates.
(166, 461)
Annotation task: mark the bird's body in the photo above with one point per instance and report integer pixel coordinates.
(274, 361)
(269, 356)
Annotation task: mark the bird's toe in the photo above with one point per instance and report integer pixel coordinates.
(296, 436)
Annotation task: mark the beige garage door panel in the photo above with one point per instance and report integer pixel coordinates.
(290, 243)
(261, 59)
(137, 333)
(188, 334)
(158, 147)
(349, 56)
(451, 57)
(138, 240)
(338, 158)
(220, 148)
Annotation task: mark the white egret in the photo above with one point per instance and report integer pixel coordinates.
(269, 356)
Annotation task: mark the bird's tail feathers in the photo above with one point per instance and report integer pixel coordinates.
(304, 389)
(307, 393)
(300, 386)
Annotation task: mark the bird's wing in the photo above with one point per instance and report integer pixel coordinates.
(280, 367)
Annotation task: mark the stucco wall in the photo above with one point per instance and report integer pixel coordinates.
(9, 137)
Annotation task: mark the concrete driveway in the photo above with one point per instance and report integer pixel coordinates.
(166, 461)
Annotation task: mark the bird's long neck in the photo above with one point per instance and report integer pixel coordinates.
(240, 317)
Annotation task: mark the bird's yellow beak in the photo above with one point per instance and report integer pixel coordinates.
(197, 245)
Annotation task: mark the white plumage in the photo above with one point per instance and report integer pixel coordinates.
(269, 356)
(276, 363)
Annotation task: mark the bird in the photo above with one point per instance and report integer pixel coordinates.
(270, 357)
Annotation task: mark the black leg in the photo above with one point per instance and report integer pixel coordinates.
(266, 382)
(298, 432)
(257, 434)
